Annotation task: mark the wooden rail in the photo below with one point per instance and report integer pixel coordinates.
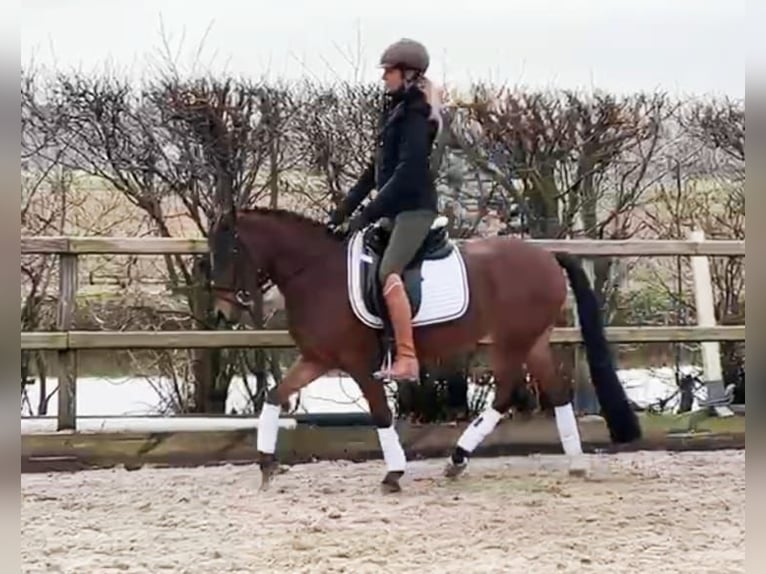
(66, 342)
(81, 340)
(591, 247)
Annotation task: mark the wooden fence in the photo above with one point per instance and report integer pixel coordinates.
(67, 342)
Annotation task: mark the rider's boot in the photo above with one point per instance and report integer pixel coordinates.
(405, 367)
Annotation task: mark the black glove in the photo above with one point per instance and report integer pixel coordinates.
(357, 223)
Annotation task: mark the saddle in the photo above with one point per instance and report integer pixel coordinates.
(435, 246)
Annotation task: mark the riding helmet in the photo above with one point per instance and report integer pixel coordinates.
(406, 54)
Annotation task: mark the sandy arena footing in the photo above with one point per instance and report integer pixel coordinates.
(637, 512)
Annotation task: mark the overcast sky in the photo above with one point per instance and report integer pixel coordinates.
(683, 46)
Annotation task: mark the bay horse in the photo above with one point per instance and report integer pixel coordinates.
(514, 294)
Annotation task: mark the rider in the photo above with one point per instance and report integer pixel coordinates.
(406, 190)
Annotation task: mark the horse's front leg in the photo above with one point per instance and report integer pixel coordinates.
(393, 453)
(300, 374)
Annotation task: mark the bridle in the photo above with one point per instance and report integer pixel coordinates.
(236, 293)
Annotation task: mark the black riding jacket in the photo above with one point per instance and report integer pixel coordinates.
(401, 169)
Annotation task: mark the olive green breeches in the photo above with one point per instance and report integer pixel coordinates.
(410, 229)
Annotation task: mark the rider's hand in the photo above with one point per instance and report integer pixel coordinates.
(356, 224)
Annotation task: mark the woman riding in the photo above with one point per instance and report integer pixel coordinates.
(406, 195)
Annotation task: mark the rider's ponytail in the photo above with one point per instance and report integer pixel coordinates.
(433, 96)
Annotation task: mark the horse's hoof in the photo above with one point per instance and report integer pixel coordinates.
(390, 482)
(578, 468)
(453, 470)
(268, 471)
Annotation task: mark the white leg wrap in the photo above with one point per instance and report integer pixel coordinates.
(393, 453)
(568, 431)
(479, 429)
(268, 427)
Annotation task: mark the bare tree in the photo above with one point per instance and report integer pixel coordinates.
(568, 164)
(237, 130)
(338, 124)
(706, 192)
(39, 216)
(191, 142)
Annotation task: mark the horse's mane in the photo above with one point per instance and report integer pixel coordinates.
(287, 215)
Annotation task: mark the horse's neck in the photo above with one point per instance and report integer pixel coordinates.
(296, 252)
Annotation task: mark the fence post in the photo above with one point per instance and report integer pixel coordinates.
(711, 350)
(67, 359)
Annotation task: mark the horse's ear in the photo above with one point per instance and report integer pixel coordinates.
(225, 212)
(225, 216)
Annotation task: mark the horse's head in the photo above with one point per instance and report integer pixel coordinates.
(259, 247)
(233, 271)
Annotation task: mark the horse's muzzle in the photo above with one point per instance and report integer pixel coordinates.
(225, 309)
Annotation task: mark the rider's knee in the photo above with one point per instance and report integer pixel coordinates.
(386, 269)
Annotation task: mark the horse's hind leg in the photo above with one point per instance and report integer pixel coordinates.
(541, 366)
(505, 367)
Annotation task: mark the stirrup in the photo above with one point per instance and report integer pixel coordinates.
(388, 363)
(384, 373)
(383, 376)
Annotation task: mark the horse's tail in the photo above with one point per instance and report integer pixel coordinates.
(622, 421)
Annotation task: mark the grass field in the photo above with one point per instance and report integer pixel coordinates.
(668, 423)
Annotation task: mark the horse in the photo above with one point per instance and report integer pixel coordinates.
(498, 289)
